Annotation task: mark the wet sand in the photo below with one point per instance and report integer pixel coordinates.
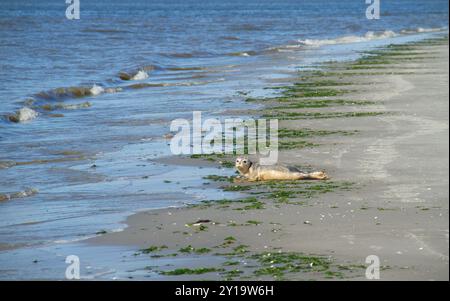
(396, 206)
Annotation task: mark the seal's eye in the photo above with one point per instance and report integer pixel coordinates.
(245, 161)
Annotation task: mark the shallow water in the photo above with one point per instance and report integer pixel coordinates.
(140, 65)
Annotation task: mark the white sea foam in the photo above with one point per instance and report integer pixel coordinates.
(96, 90)
(118, 230)
(420, 30)
(113, 90)
(140, 75)
(369, 36)
(24, 114)
(66, 241)
(86, 237)
(349, 39)
(243, 53)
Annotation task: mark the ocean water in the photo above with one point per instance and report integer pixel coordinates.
(105, 88)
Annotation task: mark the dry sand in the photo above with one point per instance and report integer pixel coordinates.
(398, 209)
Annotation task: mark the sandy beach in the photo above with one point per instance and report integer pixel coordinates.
(379, 128)
(110, 110)
(387, 196)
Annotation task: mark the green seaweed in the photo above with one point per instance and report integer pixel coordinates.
(152, 249)
(295, 144)
(253, 222)
(230, 263)
(318, 115)
(320, 103)
(236, 188)
(305, 132)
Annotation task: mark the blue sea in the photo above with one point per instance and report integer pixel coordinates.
(104, 89)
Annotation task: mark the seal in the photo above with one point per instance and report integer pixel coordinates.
(252, 171)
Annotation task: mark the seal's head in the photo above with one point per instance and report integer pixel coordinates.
(243, 164)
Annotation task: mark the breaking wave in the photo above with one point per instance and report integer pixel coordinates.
(18, 195)
(243, 53)
(23, 115)
(30, 105)
(137, 75)
(349, 39)
(66, 92)
(96, 90)
(63, 106)
(175, 84)
(369, 36)
(421, 30)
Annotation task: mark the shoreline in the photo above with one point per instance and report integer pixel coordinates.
(87, 119)
(361, 228)
(349, 219)
(259, 229)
